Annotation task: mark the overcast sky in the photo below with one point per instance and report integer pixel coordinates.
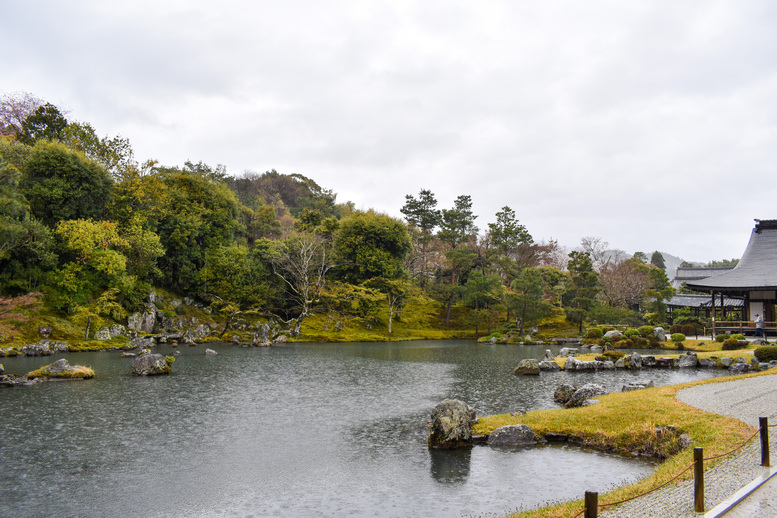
(650, 124)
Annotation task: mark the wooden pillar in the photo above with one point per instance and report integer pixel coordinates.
(698, 480)
(713, 315)
(591, 504)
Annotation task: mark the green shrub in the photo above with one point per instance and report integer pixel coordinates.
(722, 338)
(594, 333)
(691, 329)
(676, 328)
(738, 336)
(766, 353)
(646, 331)
(732, 344)
(678, 337)
(629, 333)
(641, 342)
(624, 344)
(616, 355)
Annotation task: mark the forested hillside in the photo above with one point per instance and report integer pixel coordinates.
(94, 231)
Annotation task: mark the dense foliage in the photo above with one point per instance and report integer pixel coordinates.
(94, 230)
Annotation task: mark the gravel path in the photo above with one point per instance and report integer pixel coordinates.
(744, 399)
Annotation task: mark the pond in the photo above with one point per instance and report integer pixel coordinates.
(296, 430)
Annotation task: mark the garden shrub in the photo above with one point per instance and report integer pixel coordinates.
(594, 333)
(691, 329)
(678, 337)
(629, 333)
(616, 355)
(766, 353)
(676, 328)
(722, 338)
(641, 342)
(624, 344)
(646, 331)
(733, 344)
(738, 336)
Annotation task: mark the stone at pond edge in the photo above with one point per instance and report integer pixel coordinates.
(452, 422)
(687, 361)
(549, 365)
(527, 367)
(512, 435)
(210, 352)
(564, 393)
(150, 365)
(587, 391)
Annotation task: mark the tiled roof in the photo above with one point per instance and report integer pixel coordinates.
(757, 270)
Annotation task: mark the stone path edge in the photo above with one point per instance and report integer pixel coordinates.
(728, 504)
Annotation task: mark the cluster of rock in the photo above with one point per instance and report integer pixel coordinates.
(635, 361)
(151, 365)
(451, 427)
(571, 396)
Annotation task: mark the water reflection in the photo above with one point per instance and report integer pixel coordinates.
(450, 466)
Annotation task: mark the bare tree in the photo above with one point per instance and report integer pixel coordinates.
(302, 262)
(14, 108)
(596, 248)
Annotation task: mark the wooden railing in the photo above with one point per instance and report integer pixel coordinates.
(738, 326)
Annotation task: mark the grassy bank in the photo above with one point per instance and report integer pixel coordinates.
(626, 423)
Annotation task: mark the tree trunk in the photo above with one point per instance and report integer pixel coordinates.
(88, 325)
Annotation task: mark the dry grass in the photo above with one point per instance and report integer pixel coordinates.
(625, 422)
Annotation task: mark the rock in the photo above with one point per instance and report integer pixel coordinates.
(619, 363)
(613, 336)
(150, 365)
(512, 435)
(189, 337)
(569, 351)
(564, 393)
(148, 319)
(527, 367)
(739, 368)
(235, 339)
(175, 303)
(706, 363)
(133, 322)
(549, 365)
(210, 352)
(62, 369)
(587, 391)
(452, 422)
(660, 334)
(608, 365)
(637, 385)
(648, 361)
(40, 349)
(103, 334)
(556, 437)
(202, 331)
(280, 339)
(759, 341)
(117, 330)
(188, 301)
(573, 364)
(143, 343)
(687, 361)
(665, 362)
(44, 331)
(764, 366)
(549, 355)
(633, 361)
(596, 349)
(151, 297)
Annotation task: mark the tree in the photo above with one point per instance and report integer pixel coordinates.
(659, 291)
(115, 154)
(457, 225)
(233, 274)
(480, 293)
(46, 122)
(581, 288)
(526, 298)
(657, 259)
(61, 185)
(596, 248)
(301, 262)
(15, 108)
(624, 283)
(371, 245)
(723, 263)
(508, 238)
(395, 292)
(423, 215)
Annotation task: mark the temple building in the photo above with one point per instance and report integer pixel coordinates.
(753, 279)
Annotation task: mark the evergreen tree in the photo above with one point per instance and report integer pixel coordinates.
(581, 288)
(657, 259)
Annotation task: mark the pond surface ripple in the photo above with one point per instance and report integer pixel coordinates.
(296, 430)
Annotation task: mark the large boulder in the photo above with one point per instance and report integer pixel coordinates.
(659, 334)
(637, 385)
(202, 331)
(103, 334)
(189, 336)
(613, 336)
(117, 330)
(726, 362)
(151, 365)
(739, 368)
(549, 365)
(569, 351)
(527, 367)
(452, 422)
(41, 348)
(512, 435)
(62, 369)
(687, 361)
(633, 361)
(587, 391)
(564, 393)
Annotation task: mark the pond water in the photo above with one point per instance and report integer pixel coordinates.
(295, 430)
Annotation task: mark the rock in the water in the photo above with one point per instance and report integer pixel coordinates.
(549, 365)
(40, 349)
(527, 367)
(452, 422)
(62, 369)
(596, 349)
(150, 365)
(633, 361)
(739, 368)
(210, 352)
(569, 351)
(587, 391)
(549, 355)
(648, 361)
(189, 337)
(512, 435)
(564, 393)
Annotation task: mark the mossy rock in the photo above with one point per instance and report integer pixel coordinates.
(62, 369)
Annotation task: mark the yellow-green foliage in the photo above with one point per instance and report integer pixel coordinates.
(76, 371)
(626, 422)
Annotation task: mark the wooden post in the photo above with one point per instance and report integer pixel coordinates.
(764, 423)
(698, 479)
(713, 314)
(591, 504)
